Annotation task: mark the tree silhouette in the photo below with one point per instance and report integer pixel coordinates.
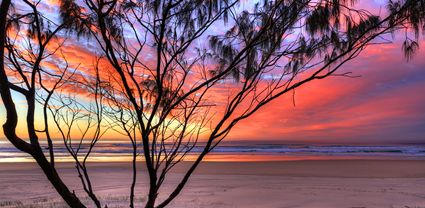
(25, 63)
(163, 64)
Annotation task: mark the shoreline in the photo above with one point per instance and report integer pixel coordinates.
(353, 168)
(230, 157)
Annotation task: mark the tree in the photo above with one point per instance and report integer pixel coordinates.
(31, 39)
(165, 65)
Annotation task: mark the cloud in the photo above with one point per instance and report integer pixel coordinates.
(385, 105)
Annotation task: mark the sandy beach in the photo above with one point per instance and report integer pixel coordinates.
(290, 184)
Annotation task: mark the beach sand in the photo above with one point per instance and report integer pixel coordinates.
(291, 184)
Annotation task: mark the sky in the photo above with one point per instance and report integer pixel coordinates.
(385, 105)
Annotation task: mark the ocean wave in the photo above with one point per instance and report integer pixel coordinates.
(116, 149)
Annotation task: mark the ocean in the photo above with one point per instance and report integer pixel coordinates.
(113, 151)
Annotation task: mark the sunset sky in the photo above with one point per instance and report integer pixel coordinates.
(385, 105)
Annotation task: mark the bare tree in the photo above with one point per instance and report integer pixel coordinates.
(175, 84)
(31, 41)
(71, 116)
(28, 70)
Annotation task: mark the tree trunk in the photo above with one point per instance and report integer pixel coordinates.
(152, 196)
(11, 122)
(70, 198)
(133, 182)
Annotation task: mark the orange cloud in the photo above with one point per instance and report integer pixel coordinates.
(384, 105)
